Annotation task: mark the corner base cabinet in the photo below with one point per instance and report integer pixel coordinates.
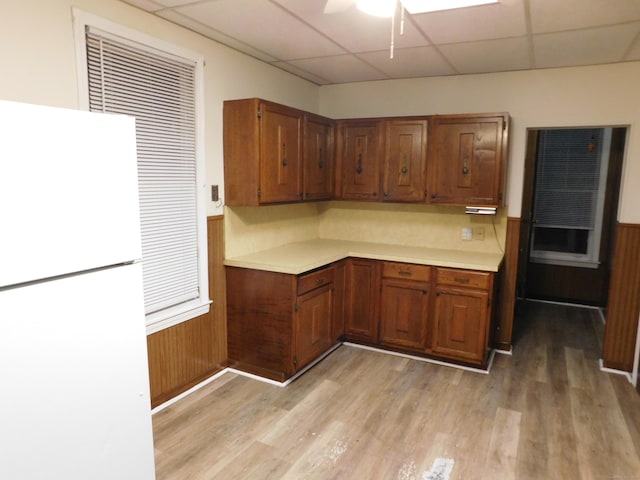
(278, 323)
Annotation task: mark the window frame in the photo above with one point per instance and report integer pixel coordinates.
(591, 259)
(179, 313)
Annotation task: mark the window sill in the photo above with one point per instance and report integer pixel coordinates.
(564, 262)
(169, 318)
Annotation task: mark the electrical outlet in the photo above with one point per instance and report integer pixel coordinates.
(467, 233)
(478, 233)
(214, 193)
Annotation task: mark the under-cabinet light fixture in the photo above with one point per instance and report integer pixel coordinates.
(480, 210)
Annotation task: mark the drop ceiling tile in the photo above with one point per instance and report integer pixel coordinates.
(634, 51)
(558, 15)
(301, 73)
(175, 3)
(209, 32)
(484, 22)
(339, 69)
(353, 29)
(409, 62)
(489, 55)
(262, 25)
(584, 47)
(148, 5)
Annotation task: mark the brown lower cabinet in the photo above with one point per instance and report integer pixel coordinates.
(362, 295)
(279, 323)
(405, 305)
(461, 314)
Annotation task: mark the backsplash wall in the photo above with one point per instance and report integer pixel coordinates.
(410, 224)
(251, 229)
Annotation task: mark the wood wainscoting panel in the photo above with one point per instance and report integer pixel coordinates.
(507, 297)
(624, 300)
(185, 354)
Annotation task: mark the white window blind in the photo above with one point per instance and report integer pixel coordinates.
(568, 178)
(159, 90)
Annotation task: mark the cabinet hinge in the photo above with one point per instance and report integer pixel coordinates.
(295, 362)
(259, 193)
(297, 307)
(259, 112)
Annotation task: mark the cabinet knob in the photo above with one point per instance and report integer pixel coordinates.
(359, 164)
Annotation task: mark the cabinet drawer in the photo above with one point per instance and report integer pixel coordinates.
(407, 271)
(313, 280)
(463, 278)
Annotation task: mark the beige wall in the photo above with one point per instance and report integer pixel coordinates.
(580, 96)
(37, 51)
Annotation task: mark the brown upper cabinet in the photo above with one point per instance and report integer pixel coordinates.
(272, 152)
(405, 160)
(467, 159)
(278, 154)
(318, 158)
(360, 148)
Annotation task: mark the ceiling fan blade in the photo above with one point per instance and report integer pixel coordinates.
(335, 6)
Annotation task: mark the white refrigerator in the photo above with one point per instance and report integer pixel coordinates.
(74, 382)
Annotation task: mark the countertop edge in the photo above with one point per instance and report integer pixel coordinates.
(297, 269)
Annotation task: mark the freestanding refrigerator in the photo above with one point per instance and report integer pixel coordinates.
(74, 385)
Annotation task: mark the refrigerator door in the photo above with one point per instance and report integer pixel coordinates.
(68, 191)
(75, 389)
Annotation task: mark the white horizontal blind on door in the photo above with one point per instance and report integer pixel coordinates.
(568, 177)
(159, 90)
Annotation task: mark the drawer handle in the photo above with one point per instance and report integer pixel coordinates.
(461, 279)
(319, 280)
(405, 273)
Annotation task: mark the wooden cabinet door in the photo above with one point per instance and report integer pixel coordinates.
(466, 160)
(313, 325)
(404, 314)
(318, 159)
(405, 161)
(339, 295)
(360, 160)
(460, 326)
(362, 297)
(280, 154)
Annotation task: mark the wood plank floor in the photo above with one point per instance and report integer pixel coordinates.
(546, 412)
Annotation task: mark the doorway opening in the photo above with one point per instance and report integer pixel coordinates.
(570, 199)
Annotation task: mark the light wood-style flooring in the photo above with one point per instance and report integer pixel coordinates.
(546, 412)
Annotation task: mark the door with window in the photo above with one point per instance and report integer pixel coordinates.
(570, 194)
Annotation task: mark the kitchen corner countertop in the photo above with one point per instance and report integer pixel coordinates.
(299, 257)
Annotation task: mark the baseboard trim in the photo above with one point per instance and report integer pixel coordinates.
(210, 379)
(501, 351)
(197, 386)
(427, 360)
(614, 371)
(219, 374)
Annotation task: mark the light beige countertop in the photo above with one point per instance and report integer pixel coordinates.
(300, 257)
